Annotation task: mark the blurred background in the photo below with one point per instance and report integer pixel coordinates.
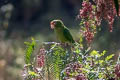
(22, 19)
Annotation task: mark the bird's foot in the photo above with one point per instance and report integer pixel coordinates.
(64, 44)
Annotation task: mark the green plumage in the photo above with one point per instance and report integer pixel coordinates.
(63, 34)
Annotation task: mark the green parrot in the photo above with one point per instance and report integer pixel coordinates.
(62, 32)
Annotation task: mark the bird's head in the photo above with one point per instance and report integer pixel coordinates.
(56, 24)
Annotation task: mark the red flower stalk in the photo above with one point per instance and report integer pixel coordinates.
(41, 58)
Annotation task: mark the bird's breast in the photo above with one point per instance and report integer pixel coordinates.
(60, 35)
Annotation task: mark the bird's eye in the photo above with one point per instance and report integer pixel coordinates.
(52, 23)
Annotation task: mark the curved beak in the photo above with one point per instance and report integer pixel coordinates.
(52, 24)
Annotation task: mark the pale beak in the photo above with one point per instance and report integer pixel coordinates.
(52, 24)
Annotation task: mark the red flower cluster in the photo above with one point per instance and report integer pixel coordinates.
(89, 36)
(93, 14)
(74, 68)
(117, 70)
(41, 58)
(81, 77)
(105, 9)
(87, 14)
(86, 10)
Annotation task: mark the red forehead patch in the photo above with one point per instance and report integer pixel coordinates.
(52, 24)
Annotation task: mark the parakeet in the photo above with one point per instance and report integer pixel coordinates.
(62, 32)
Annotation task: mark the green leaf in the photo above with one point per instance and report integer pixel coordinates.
(109, 57)
(26, 43)
(31, 73)
(101, 75)
(33, 42)
(116, 6)
(93, 6)
(94, 53)
(101, 61)
(29, 51)
(81, 39)
(103, 53)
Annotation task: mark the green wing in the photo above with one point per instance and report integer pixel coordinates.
(68, 36)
